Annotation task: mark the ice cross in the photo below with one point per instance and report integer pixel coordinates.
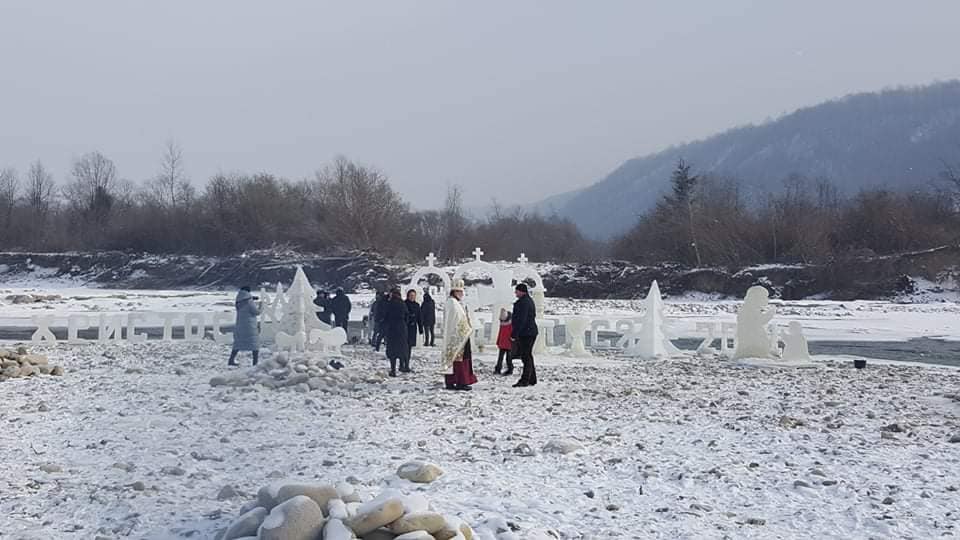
(431, 259)
(523, 259)
(478, 253)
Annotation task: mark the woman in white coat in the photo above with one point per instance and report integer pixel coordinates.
(457, 358)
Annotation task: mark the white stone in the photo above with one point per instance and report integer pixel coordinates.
(247, 524)
(319, 493)
(419, 472)
(348, 493)
(430, 522)
(562, 446)
(337, 509)
(336, 530)
(415, 535)
(296, 519)
(375, 514)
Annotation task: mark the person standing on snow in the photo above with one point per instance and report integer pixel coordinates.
(394, 316)
(376, 318)
(414, 327)
(340, 305)
(457, 358)
(322, 301)
(428, 311)
(524, 334)
(505, 343)
(246, 335)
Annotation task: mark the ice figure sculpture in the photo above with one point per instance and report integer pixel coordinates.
(576, 328)
(795, 345)
(752, 320)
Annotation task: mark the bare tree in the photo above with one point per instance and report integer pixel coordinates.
(454, 222)
(361, 210)
(40, 190)
(171, 188)
(93, 186)
(9, 186)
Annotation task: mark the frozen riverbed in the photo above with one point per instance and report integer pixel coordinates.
(681, 449)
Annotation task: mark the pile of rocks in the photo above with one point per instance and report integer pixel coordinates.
(32, 298)
(302, 372)
(21, 363)
(292, 510)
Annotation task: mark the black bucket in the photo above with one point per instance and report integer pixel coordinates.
(859, 364)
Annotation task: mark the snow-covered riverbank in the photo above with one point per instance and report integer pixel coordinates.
(672, 449)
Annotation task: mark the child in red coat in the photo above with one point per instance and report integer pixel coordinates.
(504, 343)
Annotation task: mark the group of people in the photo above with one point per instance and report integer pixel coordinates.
(333, 311)
(400, 321)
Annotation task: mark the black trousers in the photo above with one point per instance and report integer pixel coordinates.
(428, 336)
(504, 354)
(525, 346)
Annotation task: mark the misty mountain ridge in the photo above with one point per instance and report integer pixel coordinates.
(896, 139)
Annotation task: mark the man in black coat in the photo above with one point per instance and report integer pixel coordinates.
(525, 334)
(414, 327)
(377, 311)
(322, 301)
(428, 311)
(394, 327)
(340, 305)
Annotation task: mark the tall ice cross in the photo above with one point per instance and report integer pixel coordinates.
(478, 253)
(523, 259)
(431, 259)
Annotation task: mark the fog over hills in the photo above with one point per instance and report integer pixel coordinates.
(897, 139)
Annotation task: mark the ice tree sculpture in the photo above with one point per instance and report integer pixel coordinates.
(752, 320)
(299, 328)
(649, 341)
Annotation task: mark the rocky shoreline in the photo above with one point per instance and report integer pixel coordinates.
(864, 277)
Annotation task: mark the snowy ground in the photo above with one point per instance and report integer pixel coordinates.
(680, 449)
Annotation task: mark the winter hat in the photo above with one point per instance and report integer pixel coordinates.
(522, 287)
(457, 286)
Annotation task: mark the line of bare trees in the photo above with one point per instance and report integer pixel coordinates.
(344, 206)
(707, 221)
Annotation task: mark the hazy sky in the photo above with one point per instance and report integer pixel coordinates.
(511, 99)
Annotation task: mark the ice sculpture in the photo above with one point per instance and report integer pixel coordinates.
(752, 320)
(649, 341)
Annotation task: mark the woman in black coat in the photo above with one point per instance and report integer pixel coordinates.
(428, 312)
(414, 327)
(394, 327)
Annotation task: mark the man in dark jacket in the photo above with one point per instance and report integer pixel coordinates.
(394, 326)
(428, 311)
(322, 301)
(525, 334)
(340, 305)
(376, 318)
(414, 327)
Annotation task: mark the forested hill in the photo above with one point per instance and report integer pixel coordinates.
(894, 139)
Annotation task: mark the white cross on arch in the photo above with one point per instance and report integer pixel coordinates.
(478, 253)
(523, 259)
(431, 259)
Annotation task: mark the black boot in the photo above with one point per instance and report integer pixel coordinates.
(393, 367)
